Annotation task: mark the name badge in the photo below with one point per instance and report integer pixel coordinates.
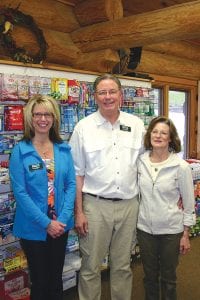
(125, 128)
(35, 167)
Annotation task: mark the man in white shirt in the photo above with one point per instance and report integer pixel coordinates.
(105, 147)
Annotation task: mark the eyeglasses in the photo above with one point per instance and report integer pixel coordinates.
(39, 115)
(104, 92)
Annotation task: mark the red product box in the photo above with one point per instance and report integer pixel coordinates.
(23, 294)
(13, 282)
(13, 116)
(73, 91)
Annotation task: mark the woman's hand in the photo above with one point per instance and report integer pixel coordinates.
(55, 229)
(185, 242)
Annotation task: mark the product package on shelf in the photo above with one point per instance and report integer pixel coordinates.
(34, 85)
(14, 258)
(45, 86)
(9, 88)
(23, 88)
(4, 174)
(22, 294)
(195, 168)
(13, 282)
(13, 118)
(73, 91)
(72, 261)
(138, 101)
(73, 241)
(69, 279)
(7, 203)
(59, 89)
(6, 226)
(8, 141)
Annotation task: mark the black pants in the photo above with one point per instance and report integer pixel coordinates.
(159, 255)
(45, 262)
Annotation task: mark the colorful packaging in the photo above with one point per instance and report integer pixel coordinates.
(13, 282)
(13, 117)
(45, 88)
(34, 85)
(59, 89)
(73, 91)
(23, 87)
(9, 88)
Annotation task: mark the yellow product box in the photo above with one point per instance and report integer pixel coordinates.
(11, 264)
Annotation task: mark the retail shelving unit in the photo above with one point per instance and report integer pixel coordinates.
(195, 167)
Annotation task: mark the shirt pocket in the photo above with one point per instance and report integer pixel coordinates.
(96, 155)
(130, 149)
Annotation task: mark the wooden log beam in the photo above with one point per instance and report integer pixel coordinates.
(181, 49)
(47, 13)
(61, 49)
(90, 12)
(167, 24)
(99, 61)
(167, 65)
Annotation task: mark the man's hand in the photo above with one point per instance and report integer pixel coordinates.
(81, 224)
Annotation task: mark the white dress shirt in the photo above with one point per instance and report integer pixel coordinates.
(106, 154)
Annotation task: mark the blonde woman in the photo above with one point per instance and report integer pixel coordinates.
(43, 182)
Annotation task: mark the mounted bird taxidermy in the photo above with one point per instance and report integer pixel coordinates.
(129, 59)
(9, 18)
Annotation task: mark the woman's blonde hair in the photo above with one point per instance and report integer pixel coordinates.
(52, 107)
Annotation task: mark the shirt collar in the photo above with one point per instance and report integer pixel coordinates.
(100, 120)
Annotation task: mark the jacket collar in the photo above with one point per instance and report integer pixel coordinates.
(27, 147)
(174, 161)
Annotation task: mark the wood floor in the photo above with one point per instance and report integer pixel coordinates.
(188, 273)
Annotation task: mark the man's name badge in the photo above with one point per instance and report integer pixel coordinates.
(125, 128)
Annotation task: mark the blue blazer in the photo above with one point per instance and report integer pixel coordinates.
(29, 182)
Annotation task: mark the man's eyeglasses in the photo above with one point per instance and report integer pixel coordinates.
(39, 115)
(104, 92)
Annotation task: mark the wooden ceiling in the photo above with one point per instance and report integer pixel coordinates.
(88, 34)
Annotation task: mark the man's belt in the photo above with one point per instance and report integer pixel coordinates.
(104, 198)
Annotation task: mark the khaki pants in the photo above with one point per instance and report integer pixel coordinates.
(112, 229)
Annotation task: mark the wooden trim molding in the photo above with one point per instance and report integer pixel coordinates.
(190, 86)
(198, 120)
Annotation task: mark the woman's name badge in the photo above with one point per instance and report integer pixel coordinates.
(34, 167)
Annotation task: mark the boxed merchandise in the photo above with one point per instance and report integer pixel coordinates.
(9, 87)
(15, 262)
(72, 261)
(73, 91)
(69, 279)
(73, 242)
(13, 282)
(23, 294)
(7, 203)
(13, 116)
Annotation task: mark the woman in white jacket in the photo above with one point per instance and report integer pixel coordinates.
(166, 208)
